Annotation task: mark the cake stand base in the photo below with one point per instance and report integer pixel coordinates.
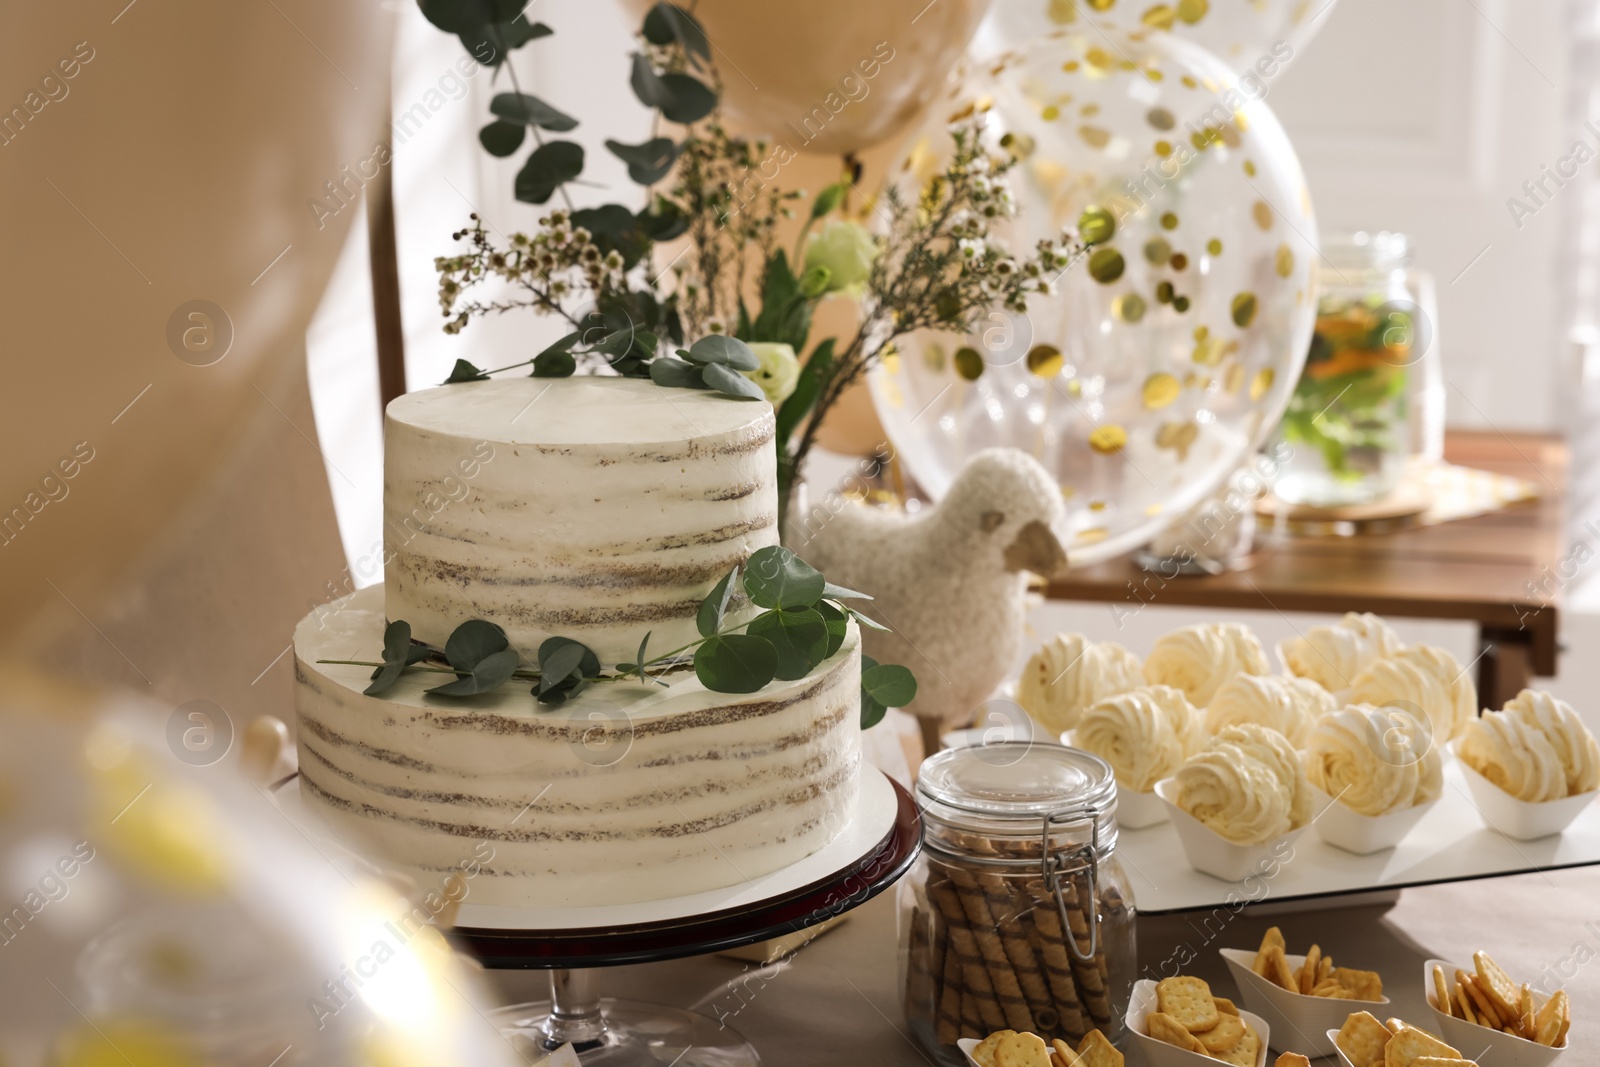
(619, 1033)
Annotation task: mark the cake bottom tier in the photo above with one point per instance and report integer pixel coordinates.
(626, 794)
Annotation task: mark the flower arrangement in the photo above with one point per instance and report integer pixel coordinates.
(733, 313)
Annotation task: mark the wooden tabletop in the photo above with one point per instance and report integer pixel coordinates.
(1501, 570)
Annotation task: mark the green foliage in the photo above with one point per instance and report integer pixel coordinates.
(547, 167)
(649, 162)
(529, 110)
(501, 138)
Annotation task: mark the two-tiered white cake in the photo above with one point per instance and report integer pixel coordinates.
(597, 509)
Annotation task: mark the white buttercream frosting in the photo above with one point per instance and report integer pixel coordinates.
(593, 508)
(1374, 760)
(1199, 659)
(1286, 704)
(1421, 679)
(1536, 749)
(1247, 785)
(1144, 733)
(624, 793)
(1068, 673)
(1332, 656)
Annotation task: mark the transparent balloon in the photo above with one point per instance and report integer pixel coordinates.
(1255, 38)
(163, 914)
(1165, 355)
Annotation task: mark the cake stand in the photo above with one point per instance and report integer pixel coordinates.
(874, 849)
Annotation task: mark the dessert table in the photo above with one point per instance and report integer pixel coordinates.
(836, 1002)
(1475, 569)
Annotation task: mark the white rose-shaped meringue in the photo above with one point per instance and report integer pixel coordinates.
(1199, 659)
(1514, 754)
(1070, 672)
(1286, 704)
(1145, 734)
(1332, 656)
(1423, 679)
(1247, 785)
(1564, 729)
(1374, 760)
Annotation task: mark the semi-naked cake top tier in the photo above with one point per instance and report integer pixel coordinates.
(599, 509)
(623, 794)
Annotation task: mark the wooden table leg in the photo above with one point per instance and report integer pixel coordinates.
(1505, 668)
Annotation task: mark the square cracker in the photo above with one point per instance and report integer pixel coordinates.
(1497, 985)
(1363, 1039)
(1246, 1052)
(1188, 1001)
(1095, 1051)
(1225, 1006)
(1292, 1059)
(1062, 1054)
(1165, 1028)
(1274, 937)
(1410, 1043)
(1022, 1050)
(1308, 970)
(1223, 1036)
(1551, 1021)
(983, 1052)
(1363, 985)
(1278, 971)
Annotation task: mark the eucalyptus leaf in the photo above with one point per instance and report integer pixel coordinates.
(735, 663)
(666, 23)
(688, 99)
(491, 42)
(649, 162)
(730, 382)
(774, 577)
(643, 644)
(708, 619)
(472, 642)
(531, 111)
(465, 372)
(889, 684)
(548, 166)
(502, 138)
(724, 350)
(676, 373)
(556, 667)
(800, 638)
(839, 592)
(490, 673)
(556, 364)
(872, 712)
(586, 662)
(838, 624)
(871, 624)
(396, 641)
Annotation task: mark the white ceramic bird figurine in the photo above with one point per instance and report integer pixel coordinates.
(950, 580)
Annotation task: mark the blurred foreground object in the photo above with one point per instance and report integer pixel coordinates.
(163, 915)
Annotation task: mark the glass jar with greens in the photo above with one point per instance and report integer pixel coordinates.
(1349, 424)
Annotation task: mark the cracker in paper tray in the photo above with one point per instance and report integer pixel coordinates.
(1187, 1016)
(1010, 1048)
(1489, 997)
(1316, 976)
(1366, 1042)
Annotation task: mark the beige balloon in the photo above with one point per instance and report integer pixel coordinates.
(832, 76)
(164, 509)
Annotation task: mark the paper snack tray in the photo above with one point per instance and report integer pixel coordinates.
(1300, 1021)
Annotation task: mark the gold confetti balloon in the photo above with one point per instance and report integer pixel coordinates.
(1257, 39)
(1151, 367)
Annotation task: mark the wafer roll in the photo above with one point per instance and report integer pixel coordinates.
(952, 998)
(975, 981)
(1008, 990)
(1046, 922)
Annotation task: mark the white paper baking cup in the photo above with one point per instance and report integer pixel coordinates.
(1354, 832)
(1161, 1054)
(1491, 1048)
(1211, 853)
(1520, 819)
(1301, 1022)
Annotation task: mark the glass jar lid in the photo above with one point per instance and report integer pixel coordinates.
(1361, 250)
(1010, 788)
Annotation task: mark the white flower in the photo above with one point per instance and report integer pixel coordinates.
(779, 372)
(973, 249)
(846, 251)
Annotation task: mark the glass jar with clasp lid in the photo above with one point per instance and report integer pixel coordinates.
(1017, 914)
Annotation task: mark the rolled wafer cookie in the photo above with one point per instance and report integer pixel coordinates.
(1003, 978)
(975, 983)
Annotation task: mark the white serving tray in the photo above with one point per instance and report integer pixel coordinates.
(1452, 843)
(870, 822)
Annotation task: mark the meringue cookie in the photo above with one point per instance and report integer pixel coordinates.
(1332, 656)
(1564, 729)
(1070, 672)
(1247, 785)
(1425, 680)
(1145, 734)
(1286, 704)
(1374, 760)
(1199, 659)
(1514, 754)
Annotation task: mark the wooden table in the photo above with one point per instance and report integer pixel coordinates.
(1502, 570)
